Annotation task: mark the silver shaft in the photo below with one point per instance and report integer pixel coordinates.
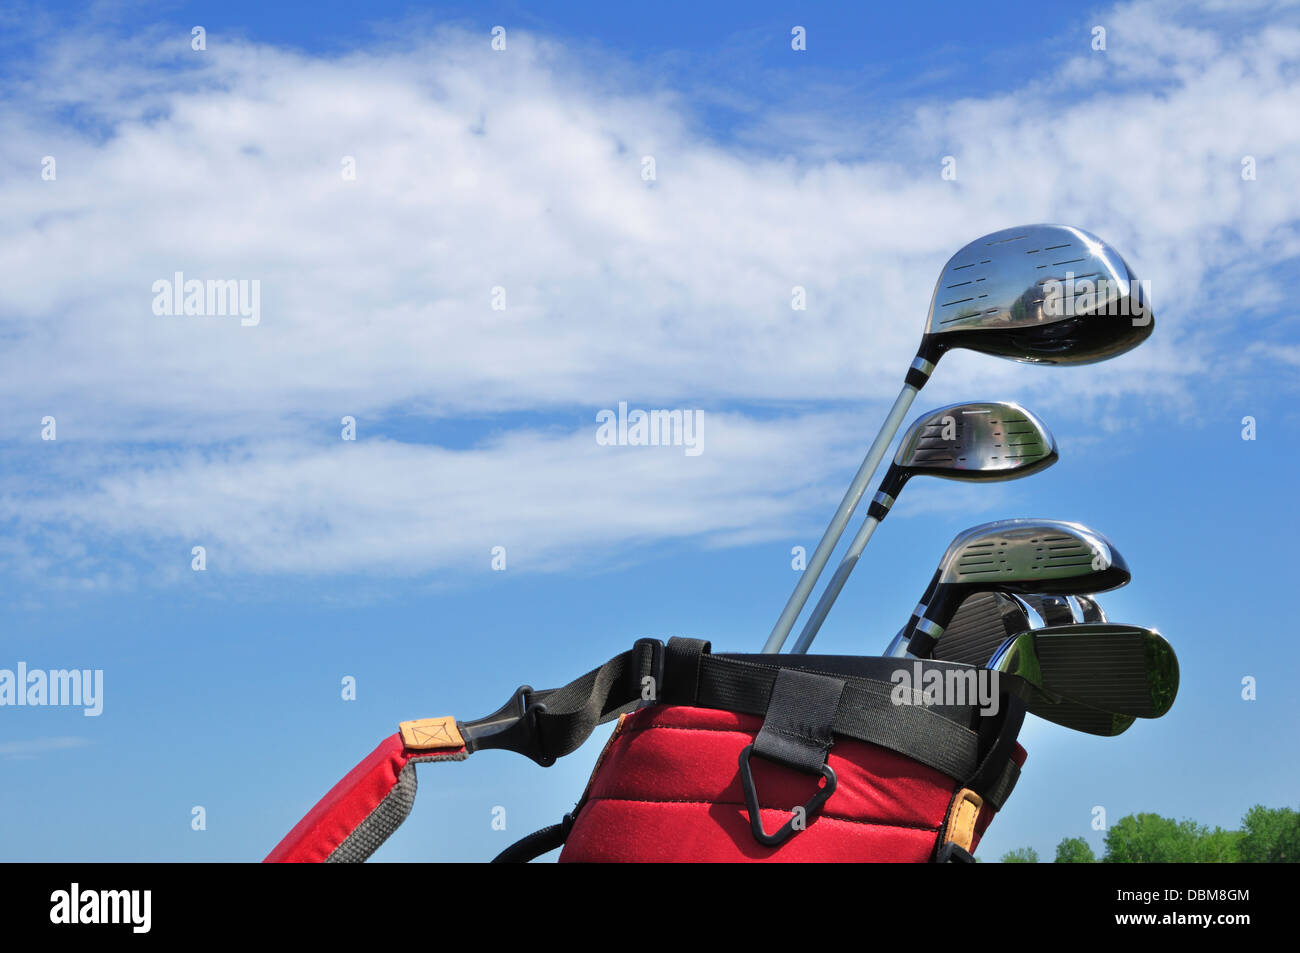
(831, 538)
(833, 587)
(896, 648)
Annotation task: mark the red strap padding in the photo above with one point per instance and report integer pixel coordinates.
(353, 801)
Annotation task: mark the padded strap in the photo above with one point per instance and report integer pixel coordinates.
(547, 725)
(359, 813)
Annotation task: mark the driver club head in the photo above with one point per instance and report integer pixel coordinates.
(1042, 294)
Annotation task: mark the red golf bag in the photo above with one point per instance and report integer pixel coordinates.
(719, 758)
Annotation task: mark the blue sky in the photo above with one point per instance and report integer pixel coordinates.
(522, 170)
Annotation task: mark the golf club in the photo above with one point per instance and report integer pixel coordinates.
(984, 621)
(1017, 555)
(1053, 610)
(979, 442)
(985, 624)
(1089, 609)
(1009, 294)
(1125, 669)
(987, 619)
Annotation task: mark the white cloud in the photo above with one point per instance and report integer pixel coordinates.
(522, 169)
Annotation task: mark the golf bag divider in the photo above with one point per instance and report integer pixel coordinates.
(911, 778)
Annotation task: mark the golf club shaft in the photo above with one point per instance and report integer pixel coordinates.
(822, 555)
(833, 587)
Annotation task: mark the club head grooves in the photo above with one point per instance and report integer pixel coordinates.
(1051, 294)
(1125, 669)
(979, 441)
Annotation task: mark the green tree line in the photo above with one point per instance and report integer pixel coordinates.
(1267, 835)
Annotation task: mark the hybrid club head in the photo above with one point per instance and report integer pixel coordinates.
(983, 441)
(1018, 555)
(1125, 669)
(1042, 294)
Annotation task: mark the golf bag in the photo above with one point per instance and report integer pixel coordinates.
(719, 758)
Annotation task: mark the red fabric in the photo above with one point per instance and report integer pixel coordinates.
(347, 804)
(671, 776)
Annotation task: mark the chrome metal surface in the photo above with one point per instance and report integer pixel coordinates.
(1126, 669)
(982, 440)
(1069, 295)
(1003, 279)
(1055, 556)
(1053, 610)
(984, 622)
(1089, 609)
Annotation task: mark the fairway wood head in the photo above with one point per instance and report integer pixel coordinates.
(1052, 556)
(1049, 294)
(1126, 669)
(981, 440)
(1017, 556)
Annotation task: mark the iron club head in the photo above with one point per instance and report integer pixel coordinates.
(1126, 669)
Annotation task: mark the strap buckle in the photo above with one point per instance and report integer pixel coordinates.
(788, 829)
(513, 726)
(954, 853)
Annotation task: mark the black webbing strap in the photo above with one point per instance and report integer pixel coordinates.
(1002, 788)
(556, 722)
(682, 664)
(992, 771)
(936, 736)
(536, 843)
(796, 728)
(996, 772)
(796, 732)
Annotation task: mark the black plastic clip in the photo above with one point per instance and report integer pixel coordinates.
(788, 830)
(512, 727)
(951, 853)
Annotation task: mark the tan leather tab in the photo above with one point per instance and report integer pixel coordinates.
(425, 734)
(965, 809)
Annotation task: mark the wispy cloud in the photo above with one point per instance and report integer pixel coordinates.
(522, 170)
(35, 747)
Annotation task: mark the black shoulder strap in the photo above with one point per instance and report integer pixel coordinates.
(545, 725)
